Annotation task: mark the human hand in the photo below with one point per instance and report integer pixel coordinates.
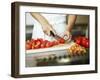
(47, 29)
(67, 35)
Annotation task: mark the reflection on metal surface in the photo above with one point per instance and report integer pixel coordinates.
(59, 58)
(63, 60)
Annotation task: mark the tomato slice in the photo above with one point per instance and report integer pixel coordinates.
(28, 46)
(61, 40)
(37, 44)
(55, 42)
(48, 44)
(42, 45)
(40, 39)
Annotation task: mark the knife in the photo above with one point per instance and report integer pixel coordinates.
(58, 37)
(55, 35)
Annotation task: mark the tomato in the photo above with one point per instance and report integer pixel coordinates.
(48, 44)
(78, 41)
(36, 47)
(37, 44)
(51, 44)
(42, 45)
(28, 46)
(45, 41)
(55, 42)
(61, 40)
(33, 45)
(83, 41)
(40, 39)
(87, 44)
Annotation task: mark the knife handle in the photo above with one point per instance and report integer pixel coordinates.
(52, 34)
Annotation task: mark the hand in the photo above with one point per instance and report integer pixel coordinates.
(47, 29)
(67, 35)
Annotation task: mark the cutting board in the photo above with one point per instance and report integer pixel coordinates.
(54, 48)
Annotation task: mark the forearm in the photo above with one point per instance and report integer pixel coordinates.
(40, 19)
(71, 21)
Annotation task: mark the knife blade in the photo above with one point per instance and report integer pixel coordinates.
(58, 37)
(55, 35)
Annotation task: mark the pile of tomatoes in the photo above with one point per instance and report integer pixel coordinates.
(83, 41)
(40, 43)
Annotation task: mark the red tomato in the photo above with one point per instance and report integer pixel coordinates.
(40, 39)
(87, 44)
(33, 45)
(28, 46)
(42, 45)
(61, 40)
(78, 41)
(36, 47)
(55, 42)
(84, 39)
(83, 42)
(37, 44)
(49, 44)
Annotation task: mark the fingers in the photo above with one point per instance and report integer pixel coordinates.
(47, 32)
(67, 36)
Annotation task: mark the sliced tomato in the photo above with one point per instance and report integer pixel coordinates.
(33, 45)
(42, 45)
(37, 44)
(49, 44)
(55, 42)
(61, 40)
(40, 39)
(28, 46)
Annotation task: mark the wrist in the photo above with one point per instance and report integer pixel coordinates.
(69, 28)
